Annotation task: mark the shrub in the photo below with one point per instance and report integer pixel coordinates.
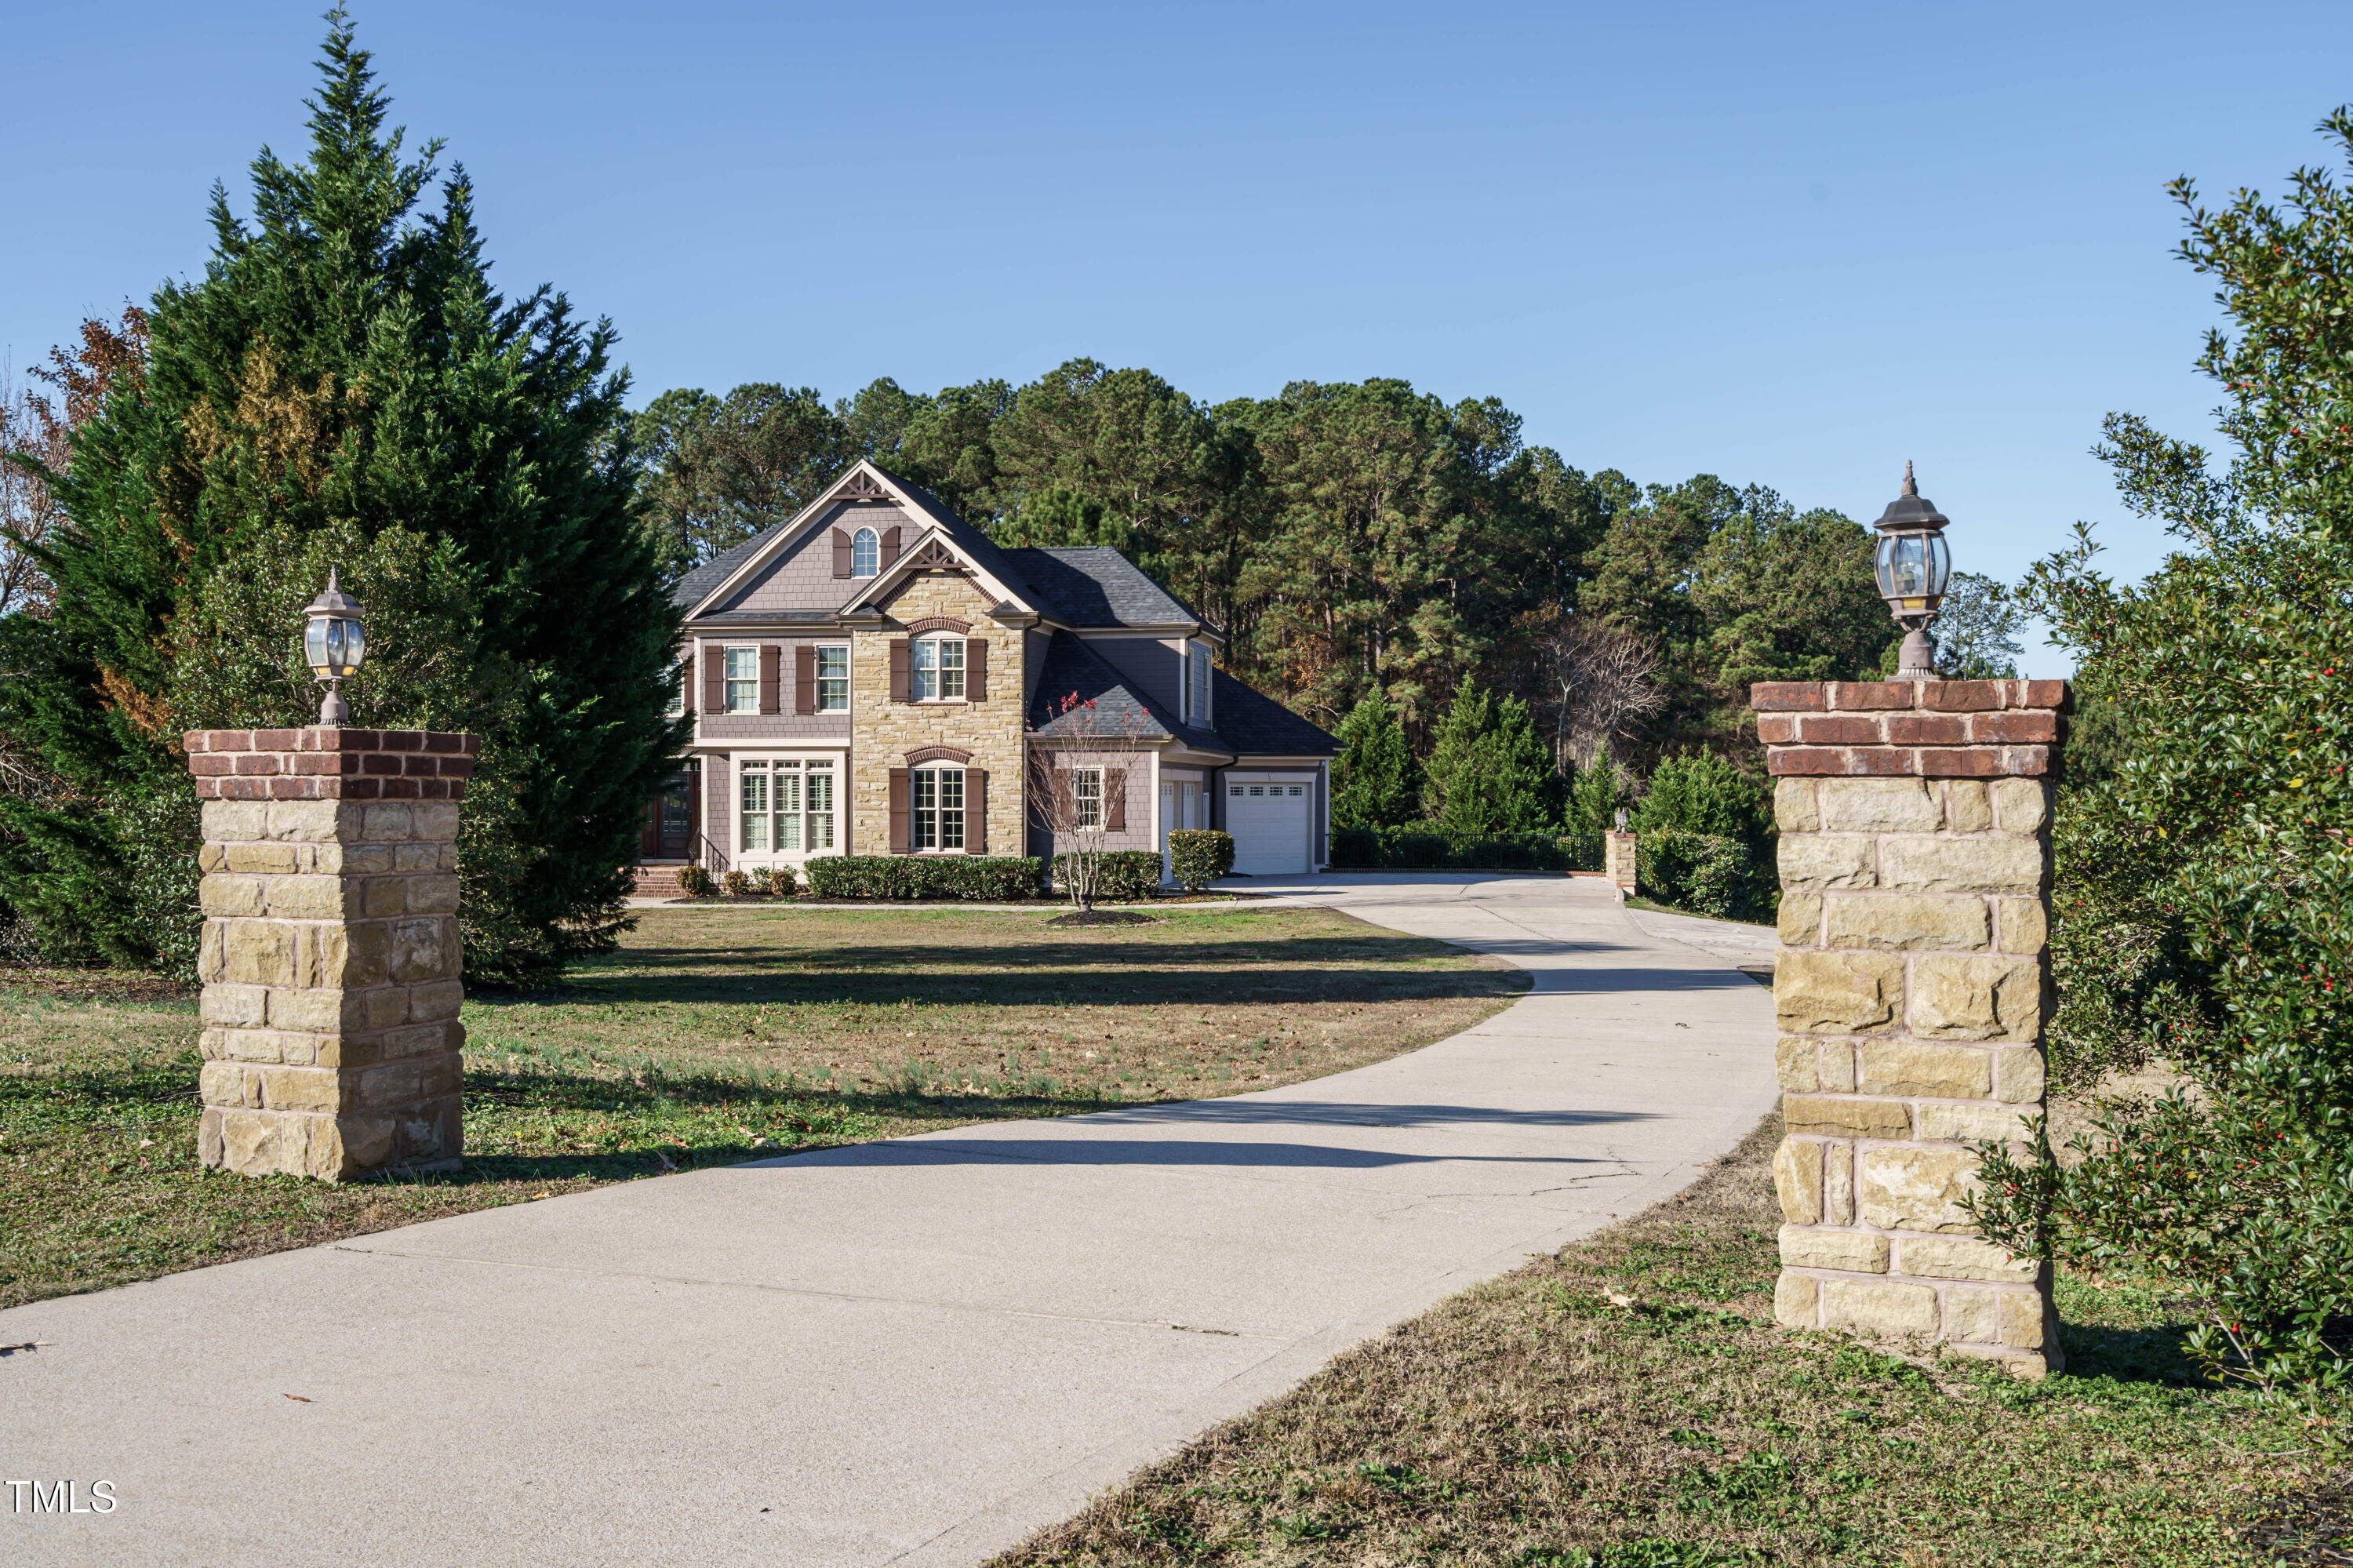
(1199, 856)
(1708, 874)
(694, 881)
(996, 878)
(1121, 875)
(1426, 848)
(738, 884)
(774, 879)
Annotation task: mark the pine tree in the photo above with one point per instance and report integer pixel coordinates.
(1489, 771)
(1703, 792)
(1376, 782)
(343, 388)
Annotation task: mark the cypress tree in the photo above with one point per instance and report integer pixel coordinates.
(343, 388)
(1489, 771)
(1702, 793)
(1450, 779)
(1374, 781)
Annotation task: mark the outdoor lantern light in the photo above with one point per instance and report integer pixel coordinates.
(334, 644)
(1913, 568)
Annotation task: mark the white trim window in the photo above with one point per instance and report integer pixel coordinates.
(743, 680)
(1197, 671)
(783, 805)
(935, 673)
(865, 553)
(1087, 800)
(937, 818)
(833, 680)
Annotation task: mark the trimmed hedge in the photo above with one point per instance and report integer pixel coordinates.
(695, 882)
(1199, 856)
(1122, 876)
(997, 877)
(1435, 849)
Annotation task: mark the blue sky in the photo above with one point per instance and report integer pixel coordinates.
(1790, 245)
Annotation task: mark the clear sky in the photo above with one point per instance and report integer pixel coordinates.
(1792, 245)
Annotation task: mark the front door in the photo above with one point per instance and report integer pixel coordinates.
(672, 816)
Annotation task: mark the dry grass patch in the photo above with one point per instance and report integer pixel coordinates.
(1627, 1405)
(713, 1035)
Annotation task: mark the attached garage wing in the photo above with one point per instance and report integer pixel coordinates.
(1270, 823)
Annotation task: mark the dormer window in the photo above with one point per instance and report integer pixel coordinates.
(865, 553)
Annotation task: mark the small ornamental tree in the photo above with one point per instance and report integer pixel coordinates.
(1078, 779)
(1376, 783)
(2203, 883)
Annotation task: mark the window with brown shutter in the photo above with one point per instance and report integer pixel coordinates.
(771, 660)
(890, 547)
(714, 680)
(976, 669)
(1115, 799)
(899, 670)
(975, 810)
(804, 679)
(900, 785)
(841, 551)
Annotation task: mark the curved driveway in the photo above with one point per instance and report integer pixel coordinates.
(913, 1351)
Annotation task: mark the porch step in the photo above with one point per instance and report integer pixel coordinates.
(657, 881)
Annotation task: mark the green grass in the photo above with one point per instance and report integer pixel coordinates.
(1627, 1404)
(712, 1036)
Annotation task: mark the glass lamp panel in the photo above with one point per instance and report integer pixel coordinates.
(1939, 566)
(314, 643)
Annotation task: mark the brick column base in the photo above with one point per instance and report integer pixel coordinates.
(330, 956)
(1915, 862)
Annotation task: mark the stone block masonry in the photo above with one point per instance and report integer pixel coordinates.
(1910, 992)
(330, 956)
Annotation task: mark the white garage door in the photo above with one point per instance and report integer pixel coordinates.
(1269, 823)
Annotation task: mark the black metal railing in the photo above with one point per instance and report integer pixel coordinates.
(1425, 849)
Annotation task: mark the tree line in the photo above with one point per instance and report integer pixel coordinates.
(1353, 539)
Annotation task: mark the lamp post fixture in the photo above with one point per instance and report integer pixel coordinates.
(1913, 566)
(334, 643)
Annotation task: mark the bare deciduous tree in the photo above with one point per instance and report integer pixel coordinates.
(36, 432)
(1597, 681)
(1079, 768)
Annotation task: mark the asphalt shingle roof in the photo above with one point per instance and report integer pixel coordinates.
(1094, 584)
(1245, 723)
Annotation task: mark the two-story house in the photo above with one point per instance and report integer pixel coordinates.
(874, 677)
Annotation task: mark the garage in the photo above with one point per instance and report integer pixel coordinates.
(1269, 821)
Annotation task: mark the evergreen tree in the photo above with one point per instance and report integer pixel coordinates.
(343, 387)
(1489, 771)
(1703, 792)
(1374, 781)
(1594, 795)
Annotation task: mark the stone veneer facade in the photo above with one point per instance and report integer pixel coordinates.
(1915, 856)
(883, 732)
(330, 956)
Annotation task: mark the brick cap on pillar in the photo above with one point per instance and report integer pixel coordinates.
(328, 762)
(1915, 729)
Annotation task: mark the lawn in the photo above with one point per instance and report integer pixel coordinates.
(713, 1035)
(1627, 1404)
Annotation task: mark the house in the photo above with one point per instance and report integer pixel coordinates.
(875, 676)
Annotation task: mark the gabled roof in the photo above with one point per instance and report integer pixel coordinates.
(1245, 724)
(1093, 586)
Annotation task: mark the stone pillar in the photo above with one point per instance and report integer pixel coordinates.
(330, 956)
(1617, 858)
(1914, 864)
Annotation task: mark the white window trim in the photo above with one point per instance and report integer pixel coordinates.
(806, 763)
(728, 682)
(935, 770)
(1079, 801)
(869, 541)
(915, 672)
(823, 649)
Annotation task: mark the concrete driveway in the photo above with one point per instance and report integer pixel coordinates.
(913, 1351)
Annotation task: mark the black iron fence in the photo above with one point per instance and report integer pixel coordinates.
(1421, 849)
